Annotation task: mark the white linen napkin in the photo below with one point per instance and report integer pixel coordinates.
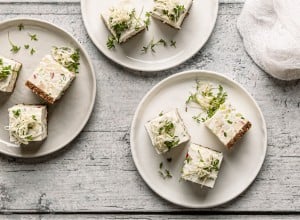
(271, 33)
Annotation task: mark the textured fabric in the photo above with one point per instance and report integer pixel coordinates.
(271, 33)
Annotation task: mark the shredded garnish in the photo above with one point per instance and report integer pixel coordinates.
(204, 168)
(208, 98)
(171, 8)
(164, 133)
(25, 128)
(68, 57)
(122, 20)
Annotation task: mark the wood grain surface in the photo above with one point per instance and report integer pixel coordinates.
(96, 174)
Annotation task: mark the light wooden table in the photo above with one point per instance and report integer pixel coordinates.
(95, 177)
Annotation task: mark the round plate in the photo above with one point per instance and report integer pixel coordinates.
(240, 165)
(195, 31)
(69, 115)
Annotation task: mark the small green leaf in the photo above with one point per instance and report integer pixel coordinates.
(33, 37)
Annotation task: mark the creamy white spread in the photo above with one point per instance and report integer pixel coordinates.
(51, 77)
(8, 74)
(123, 23)
(27, 123)
(226, 123)
(167, 131)
(171, 12)
(202, 165)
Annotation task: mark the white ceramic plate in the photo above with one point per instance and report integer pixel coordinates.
(195, 31)
(240, 165)
(66, 118)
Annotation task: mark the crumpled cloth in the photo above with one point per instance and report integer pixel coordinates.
(271, 33)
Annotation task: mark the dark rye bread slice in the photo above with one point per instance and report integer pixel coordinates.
(39, 92)
(239, 135)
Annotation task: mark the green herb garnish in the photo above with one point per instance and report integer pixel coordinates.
(20, 27)
(71, 64)
(5, 71)
(30, 138)
(32, 51)
(168, 128)
(14, 48)
(74, 66)
(147, 21)
(213, 166)
(173, 43)
(153, 44)
(16, 112)
(111, 42)
(200, 118)
(188, 158)
(174, 14)
(26, 46)
(171, 144)
(166, 174)
(177, 11)
(119, 29)
(33, 37)
(217, 101)
(161, 165)
(209, 100)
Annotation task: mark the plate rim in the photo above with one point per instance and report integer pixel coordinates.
(135, 118)
(93, 75)
(132, 67)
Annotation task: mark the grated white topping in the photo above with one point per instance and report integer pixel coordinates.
(167, 5)
(161, 136)
(204, 100)
(202, 165)
(204, 169)
(65, 56)
(167, 131)
(25, 128)
(119, 15)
